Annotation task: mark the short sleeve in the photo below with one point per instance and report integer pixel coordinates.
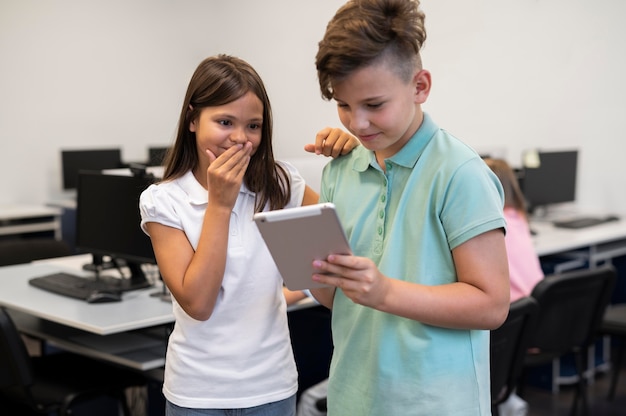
(474, 203)
(298, 184)
(156, 205)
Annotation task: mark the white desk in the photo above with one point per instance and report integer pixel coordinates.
(576, 248)
(18, 219)
(593, 245)
(136, 311)
(131, 332)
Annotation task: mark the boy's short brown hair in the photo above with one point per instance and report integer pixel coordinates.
(363, 32)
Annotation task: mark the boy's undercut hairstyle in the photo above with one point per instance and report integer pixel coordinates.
(363, 32)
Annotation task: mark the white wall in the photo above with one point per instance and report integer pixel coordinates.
(508, 75)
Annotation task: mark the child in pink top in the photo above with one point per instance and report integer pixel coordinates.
(524, 267)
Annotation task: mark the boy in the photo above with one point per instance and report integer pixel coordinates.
(412, 308)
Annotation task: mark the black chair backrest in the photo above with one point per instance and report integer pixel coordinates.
(508, 347)
(15, 366)
(27, 250)
(53, 384)
(571, 308)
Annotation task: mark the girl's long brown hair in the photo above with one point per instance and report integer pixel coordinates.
(219, 80)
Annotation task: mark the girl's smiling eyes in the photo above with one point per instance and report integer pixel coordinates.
(251, 126)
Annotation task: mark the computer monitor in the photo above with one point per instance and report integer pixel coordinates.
(550, 178)
(73, 161)
(108, 222)
(156, 155)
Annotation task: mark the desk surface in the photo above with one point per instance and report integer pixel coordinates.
(553, 240)
(132, 333)
(20, 211)
(137, 309)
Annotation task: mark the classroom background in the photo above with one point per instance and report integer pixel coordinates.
(508, 76)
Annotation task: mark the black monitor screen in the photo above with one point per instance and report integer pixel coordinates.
(108, 218)
(73, 161)
(156, 155)
(553, 180)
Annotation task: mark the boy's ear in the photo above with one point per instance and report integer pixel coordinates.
(422, 83)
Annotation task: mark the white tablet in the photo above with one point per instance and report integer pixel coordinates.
(297, 236)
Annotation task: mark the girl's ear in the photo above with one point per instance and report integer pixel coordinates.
(422, 83)
(192, 122)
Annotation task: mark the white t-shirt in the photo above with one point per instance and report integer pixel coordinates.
(241, 356)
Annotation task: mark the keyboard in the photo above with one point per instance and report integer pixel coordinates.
(584, 222)
(77, 287)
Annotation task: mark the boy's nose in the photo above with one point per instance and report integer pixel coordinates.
(358, 121)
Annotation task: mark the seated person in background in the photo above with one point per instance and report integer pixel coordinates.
(524, 267)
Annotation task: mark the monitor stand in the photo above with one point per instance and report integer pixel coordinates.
(97, 264)
(137, 279)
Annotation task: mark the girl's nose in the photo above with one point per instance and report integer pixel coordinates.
(238, 136)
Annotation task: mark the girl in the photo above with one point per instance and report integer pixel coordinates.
(230, 347)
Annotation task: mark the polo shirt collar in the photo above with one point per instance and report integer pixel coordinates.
(408, 155)
(413, 149)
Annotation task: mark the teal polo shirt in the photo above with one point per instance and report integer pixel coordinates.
(436, 194)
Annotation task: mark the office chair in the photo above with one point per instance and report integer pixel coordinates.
(571, 306)
(53, 384)
(508, 348)
(614, 325)
(17, 251)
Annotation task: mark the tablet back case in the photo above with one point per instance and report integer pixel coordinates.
(297, 236)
